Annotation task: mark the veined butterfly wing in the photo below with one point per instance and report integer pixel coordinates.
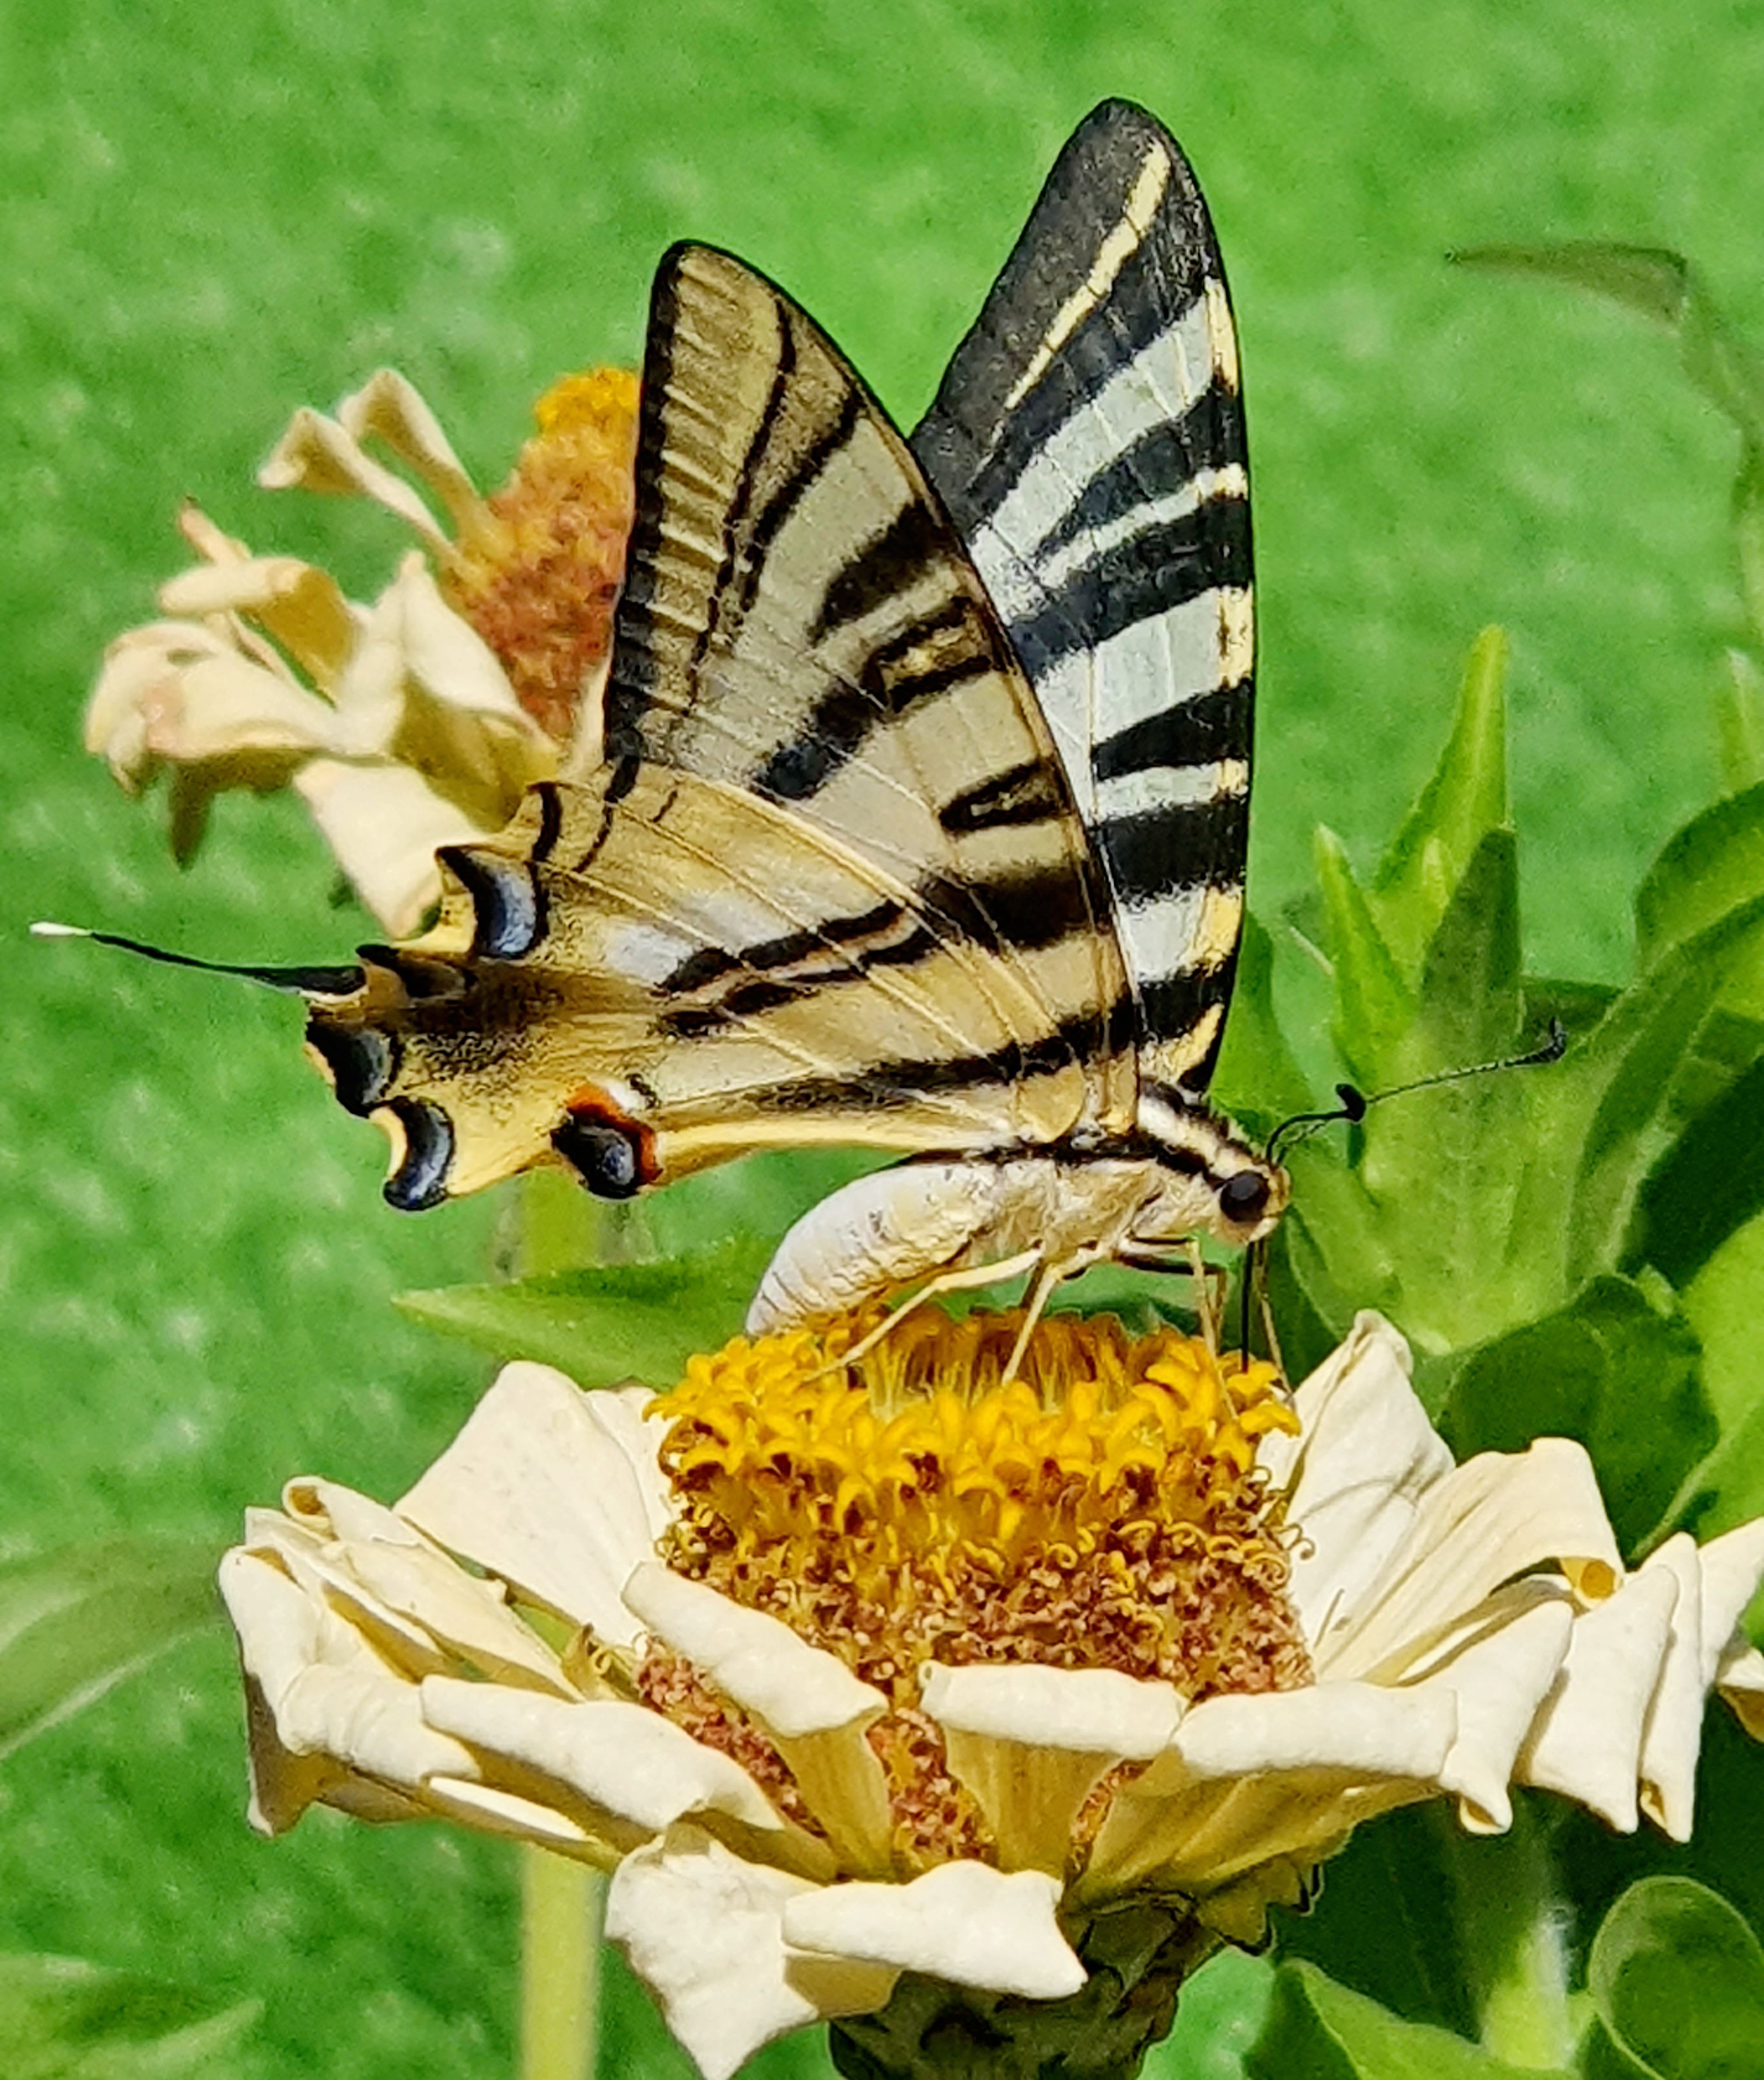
(830, 883)
(1088, 441)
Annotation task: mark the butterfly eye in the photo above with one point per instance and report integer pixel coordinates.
(1243, 1197)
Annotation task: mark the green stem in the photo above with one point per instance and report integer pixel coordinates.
(562, 1903)
(1509, 1914)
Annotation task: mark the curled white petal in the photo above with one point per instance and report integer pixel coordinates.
(389, 408)
(702, 1929)
(385, 823)
(815, 1710)
(327, 1710)
(539, 1487)
(628, 1773)
(1672, 1733)
(1585, 1742)
(1498, 1684)
(317, 454)
(1031, 1743)
(753, 1658)
(963, 1922)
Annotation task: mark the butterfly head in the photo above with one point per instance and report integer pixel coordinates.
(1211, 1180)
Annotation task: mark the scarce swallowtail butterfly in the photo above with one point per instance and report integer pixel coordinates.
(922, 819)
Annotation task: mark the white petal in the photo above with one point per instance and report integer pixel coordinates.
(963, 1922)
(1031, 1743)
(1586, 1741)
(492, 1810)
(385, 823)
(540, 1490)
(702, 1929)
(1739, 1676)
(317, 454)
(1499, 1683)
(1285, 1774)
(444, 654)
(753, 1658)
(1356, 1472)
(1672, 1733)
(1498, 1515)
(301, 606)
(813, 1706)
(389, 408)
(623, 1771)
(324, 1696)
(1732, 1567)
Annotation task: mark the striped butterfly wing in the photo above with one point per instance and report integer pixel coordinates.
(830, 883)
(1088, 440)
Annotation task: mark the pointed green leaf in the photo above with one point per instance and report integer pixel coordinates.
(1739, 716)
(1257, 1080)
(1470, 994)
(1677, 1979)
(74, 1622)
(632, 1321)
(1465, 799)
(1647, 278)
(1605, 1096)
(1661, 286)
(1609, 1370)
(1316, 2030)
(62, 2019)
(1707, 1185)
(1710, 866)
(1374, 1005)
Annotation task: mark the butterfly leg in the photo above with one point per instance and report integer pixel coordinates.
(965, 1280)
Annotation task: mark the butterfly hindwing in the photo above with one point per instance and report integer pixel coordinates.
(1088, 440)
(830, 883)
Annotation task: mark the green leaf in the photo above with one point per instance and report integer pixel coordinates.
(1257, 1081)
(1470, 994)
(1464, 799)
(1739, 717)
(62, 2019)
(1607, 1369)
(1374, 1005)
(1749, 531)
(73, 1623)
(1605, 1095)
(1664, 287)
(1709, 1183)
(1316, 2030)
(1711, 865)
(633, 1321)
(1647, 279)
(1677, 1979)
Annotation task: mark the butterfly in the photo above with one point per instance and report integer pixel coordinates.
(922, 818)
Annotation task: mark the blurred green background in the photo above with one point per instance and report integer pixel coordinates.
(213, 215)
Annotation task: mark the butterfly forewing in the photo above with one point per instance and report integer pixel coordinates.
(1088, 440)
(830, 884)
(802, 622)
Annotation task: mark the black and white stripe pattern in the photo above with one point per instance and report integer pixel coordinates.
(1088, 441)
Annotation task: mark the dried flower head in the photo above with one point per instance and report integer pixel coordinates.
(419, 720)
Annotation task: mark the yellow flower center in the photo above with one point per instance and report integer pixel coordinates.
(537, 570)
(1103, 1511)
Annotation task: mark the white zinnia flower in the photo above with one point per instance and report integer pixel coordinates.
(787, 1838)
(416, 721)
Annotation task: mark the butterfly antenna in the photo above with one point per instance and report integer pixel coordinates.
(1355, 1104)
(301, 982)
